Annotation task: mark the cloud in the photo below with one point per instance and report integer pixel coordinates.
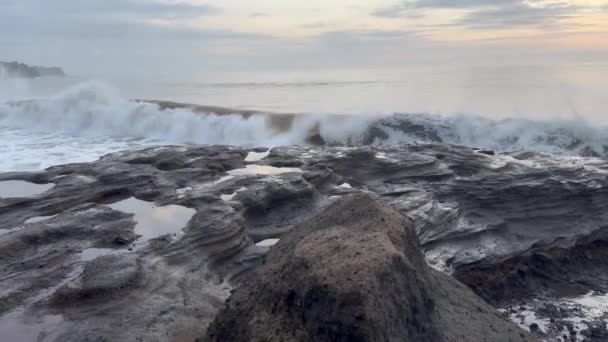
(93, 19)
(519, 14)
(119, 8)
(483, 14)
(458, 3)
(397, 11)
(148, 38)
(39, 20)
(411, 8)
(365, 47)
(98, 35)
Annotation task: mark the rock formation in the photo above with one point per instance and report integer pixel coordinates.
(355, 273)
(517, 229)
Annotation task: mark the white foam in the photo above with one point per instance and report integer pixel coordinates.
(579, 310)
(526, 316)
(95, 109)
(91, 119)
(592, 305)
(554, 136)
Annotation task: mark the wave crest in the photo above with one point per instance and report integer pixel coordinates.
(96, 109)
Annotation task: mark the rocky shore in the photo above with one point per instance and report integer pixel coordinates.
(86, 256)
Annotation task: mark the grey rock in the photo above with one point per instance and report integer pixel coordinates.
(511, 227)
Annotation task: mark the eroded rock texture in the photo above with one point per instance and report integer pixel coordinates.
(355, 273)
(512, 227)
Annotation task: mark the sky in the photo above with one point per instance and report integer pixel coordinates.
(190, 37)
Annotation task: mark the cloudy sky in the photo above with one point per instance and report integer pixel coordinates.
(183, 37)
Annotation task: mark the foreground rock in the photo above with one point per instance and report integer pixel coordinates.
(518, 229)
(355, 273)
(20, 70)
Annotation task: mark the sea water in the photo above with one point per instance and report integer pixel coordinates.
(554, 109)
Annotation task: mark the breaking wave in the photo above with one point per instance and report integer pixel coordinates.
(94, 109)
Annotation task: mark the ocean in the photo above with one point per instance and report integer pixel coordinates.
(549, 109)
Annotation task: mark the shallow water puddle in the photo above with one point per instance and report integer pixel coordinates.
(6, 231)
(18, 188)
(222, 180)
(90, 254)
(38, 219)
(256, 156)
(153, 221)
(262, 170)
(267, 243)
(16, 327)
(28, 221)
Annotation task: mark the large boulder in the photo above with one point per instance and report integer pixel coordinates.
(355, 273)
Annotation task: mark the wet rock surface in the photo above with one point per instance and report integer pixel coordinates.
(318, 284)
(514, 228)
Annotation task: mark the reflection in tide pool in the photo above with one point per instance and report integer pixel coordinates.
(267, 243)
(153, 221)
(38, 219)
(18, 188)
(256, 156)
(262, 170)
(6, 231)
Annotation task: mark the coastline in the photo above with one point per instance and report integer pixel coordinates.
(242, 200)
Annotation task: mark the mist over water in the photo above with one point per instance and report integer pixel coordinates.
(533, 92)
(49, 121)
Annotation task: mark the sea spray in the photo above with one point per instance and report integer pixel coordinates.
(96, 110)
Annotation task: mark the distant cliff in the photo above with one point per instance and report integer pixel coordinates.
(20, 70)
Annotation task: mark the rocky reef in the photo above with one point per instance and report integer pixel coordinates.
(20, 70)
(148, 245)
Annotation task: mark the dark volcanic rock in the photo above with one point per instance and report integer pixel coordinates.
(102, 279)
(355, 273)
(597, 332)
